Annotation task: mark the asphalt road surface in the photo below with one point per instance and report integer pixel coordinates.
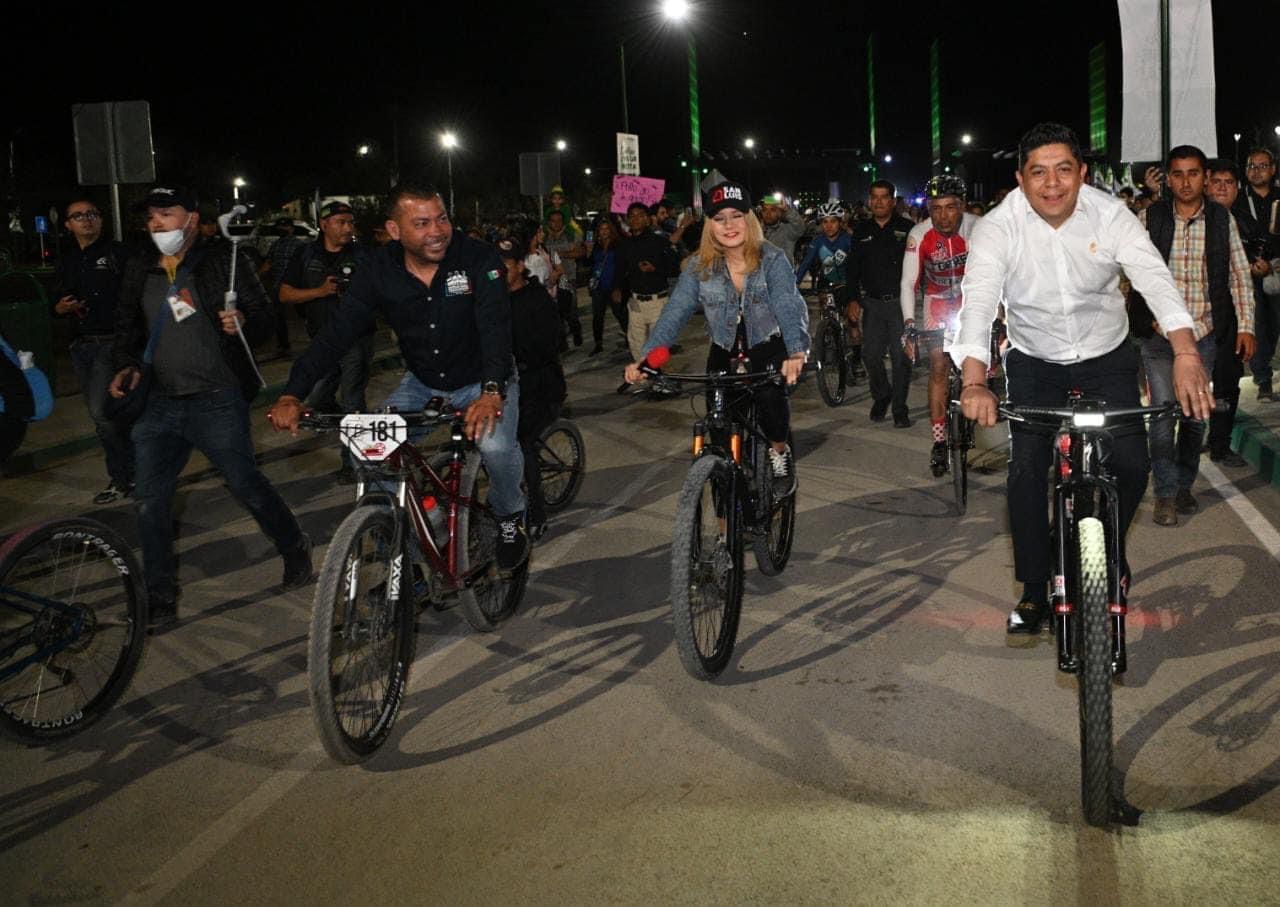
(875, 739)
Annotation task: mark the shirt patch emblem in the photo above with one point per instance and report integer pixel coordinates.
(457, 284)
(492, 275)
(911, 242)
(1093, 248)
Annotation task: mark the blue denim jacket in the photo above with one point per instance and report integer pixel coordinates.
(771, 304)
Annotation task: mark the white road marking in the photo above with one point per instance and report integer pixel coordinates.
(1258, 524)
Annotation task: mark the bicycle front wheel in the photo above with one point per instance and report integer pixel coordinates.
(490, 597)
(562, 462)
(775, 517)
(1094, 675)
(960, 430)
(706, 568)
(361, 642)
(72, 627)
(832, 366)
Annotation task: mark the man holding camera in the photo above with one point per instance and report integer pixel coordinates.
(317, 276)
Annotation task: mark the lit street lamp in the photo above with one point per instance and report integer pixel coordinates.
(749, 143)
(966, 139)
(888, 158)
(561, 144)
(678, 11)
(363, 151)
(586, 171)
(449, 141)
(236, 185)
(1236, 136)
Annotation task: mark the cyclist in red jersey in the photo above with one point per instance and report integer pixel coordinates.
(934, 260)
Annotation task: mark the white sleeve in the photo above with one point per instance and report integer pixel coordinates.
(1147, 271)
(911, 269)
(985, 270)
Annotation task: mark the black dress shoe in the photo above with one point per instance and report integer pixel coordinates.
(902, 420)
(878, 409)
(1027, 618)
(161, 613)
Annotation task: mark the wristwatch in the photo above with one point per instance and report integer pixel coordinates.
(491, 387)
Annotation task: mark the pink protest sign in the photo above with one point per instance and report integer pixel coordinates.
(628, 189)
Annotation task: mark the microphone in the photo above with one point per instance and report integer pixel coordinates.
(658, 357)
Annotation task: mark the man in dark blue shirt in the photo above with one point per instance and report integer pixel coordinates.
(88, 291)
(445, 296)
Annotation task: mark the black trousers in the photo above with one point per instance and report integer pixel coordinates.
(882, 328)
(601, 301)
(567, 303)
(1227, 372)
(773, 408)
(1112, 377)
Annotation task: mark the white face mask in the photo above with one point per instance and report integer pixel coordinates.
(169, 242)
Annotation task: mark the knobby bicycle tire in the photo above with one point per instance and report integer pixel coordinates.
(72, 627)
(1094, 675)
(775, 519)
(706, 568)
(562, 462)
(491, 598)
(833, 375)
(361, 641)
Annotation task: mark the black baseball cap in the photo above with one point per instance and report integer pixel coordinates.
(509, 248)
(330, 208)
(166, 197)
(727, 195)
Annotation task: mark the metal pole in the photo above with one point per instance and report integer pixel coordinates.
(1165, 112)
(117, 223)
(450, 158)
(695, 130)
(622, 64)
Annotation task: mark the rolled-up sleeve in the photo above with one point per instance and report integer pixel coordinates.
(985, 271)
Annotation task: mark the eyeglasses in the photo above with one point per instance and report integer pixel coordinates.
(1264, 165)
(81, 216)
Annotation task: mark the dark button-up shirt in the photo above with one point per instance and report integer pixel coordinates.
(93, 274)
(453, 333)
(651, 247)
(876, 269)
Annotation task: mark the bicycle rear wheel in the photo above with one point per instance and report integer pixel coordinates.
(959, 440)
(361, 642)
(775, 517)
(491, 597)
(562, 461)
(1094, 675)
(706, 568)
(832, 366)
(72, 627)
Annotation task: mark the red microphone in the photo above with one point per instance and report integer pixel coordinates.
(658, 357)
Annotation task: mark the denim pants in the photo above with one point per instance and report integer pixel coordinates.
(1266, 318)
(1032, 382)
(217, 424)
(500, 450)
(91, 359)
(1175, 444)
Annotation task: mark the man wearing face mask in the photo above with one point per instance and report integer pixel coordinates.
(171, 304)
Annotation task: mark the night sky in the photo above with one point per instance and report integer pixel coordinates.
(283, 97)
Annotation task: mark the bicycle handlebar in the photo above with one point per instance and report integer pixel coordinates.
(769, 376)
(1097, 409)
(436, 412)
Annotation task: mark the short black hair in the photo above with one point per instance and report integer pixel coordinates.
(883, 184)
(1184, 152)
(641, 205)
(1043, 134)
(663, 203)
(77, 199)
(401, 191)
(555, 212)
(1225, 165)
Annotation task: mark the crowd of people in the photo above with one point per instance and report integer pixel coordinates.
(1092, 297)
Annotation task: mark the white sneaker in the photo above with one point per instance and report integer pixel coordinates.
(784, 473)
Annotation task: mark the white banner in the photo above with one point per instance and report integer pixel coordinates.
(1192, 114)
(628, 154)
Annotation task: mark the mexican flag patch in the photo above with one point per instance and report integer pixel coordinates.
(492, 275)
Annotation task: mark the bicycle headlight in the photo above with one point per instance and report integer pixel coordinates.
(1088, 420)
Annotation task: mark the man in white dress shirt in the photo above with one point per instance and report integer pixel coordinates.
(1053, 252)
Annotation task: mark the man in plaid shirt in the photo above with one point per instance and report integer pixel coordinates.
(1199, 240)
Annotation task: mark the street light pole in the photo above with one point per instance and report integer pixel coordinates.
(449, 141)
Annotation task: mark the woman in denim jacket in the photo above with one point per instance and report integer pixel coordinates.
(747, 291)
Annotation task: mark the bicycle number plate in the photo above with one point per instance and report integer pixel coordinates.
(373, 436)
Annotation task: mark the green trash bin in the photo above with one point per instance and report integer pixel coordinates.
(26, 318)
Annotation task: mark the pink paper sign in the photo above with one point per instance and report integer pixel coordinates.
(629, 189)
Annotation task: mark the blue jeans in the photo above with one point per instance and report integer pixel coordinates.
(1266, 320)
(217, 424)
(1175, 461)
(500, 450)
(91, 359)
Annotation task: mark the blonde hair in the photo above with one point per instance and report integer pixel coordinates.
(711, 253)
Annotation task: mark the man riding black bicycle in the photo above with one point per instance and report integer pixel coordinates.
(1053, 251)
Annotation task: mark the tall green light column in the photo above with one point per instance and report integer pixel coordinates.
(695, 129)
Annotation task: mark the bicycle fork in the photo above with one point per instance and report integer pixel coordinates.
(1072, 479)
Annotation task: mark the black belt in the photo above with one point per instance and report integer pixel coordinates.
(649, 297)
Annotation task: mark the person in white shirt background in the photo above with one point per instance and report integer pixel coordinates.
(1053, 252)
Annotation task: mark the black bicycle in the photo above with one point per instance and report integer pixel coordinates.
(421, 532)
(72, 627)
(562, 462)
(727, 500)
(1089, 599)
(835, 350)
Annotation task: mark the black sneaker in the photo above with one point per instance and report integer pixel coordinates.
(595, 351)
(938, 458)
(1228, 458)
(878, 409)
(112, 493)
(1026, 618)
(513, 542)
(161, 613)
(297, 566)
(784, 471)
(1264, 390)
(901, 420)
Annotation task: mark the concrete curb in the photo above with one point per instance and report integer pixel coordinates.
(1258, 445)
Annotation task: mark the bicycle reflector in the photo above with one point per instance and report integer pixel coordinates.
(1088, 420)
